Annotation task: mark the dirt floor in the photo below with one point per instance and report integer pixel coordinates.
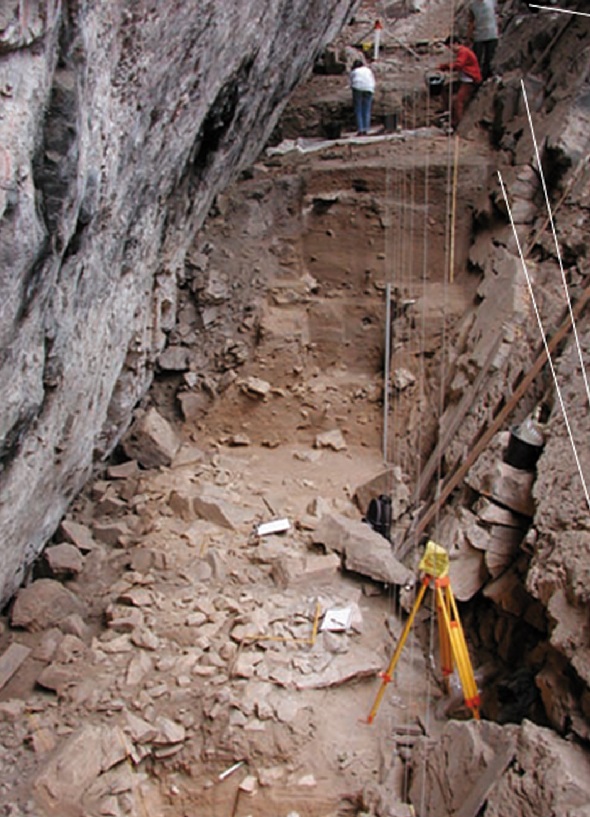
(194, 643)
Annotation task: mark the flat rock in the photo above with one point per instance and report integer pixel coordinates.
(111, 532)
(77, 764)
(468, 574)
(124, 470)
(505, 484)
(59, 678)
(472, 765)
(10, 661)
(465, 763)
(358, 663)
(364, 550)
(256, 387)
(122, 618)
(390, 483)
(64, 559)
(139, 730)
(77, 534)
(168, 731)
(214, 505)
(495, 514)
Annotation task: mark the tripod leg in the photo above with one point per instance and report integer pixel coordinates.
(446, 654)
(459, 647)
(388, 674)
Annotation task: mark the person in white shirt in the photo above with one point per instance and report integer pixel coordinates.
(362, 82)
(483, 31)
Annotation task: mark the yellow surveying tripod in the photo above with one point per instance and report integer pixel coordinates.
(453, 648)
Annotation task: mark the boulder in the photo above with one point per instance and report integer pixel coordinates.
(44, 604)
(151, 440)
(364, 550)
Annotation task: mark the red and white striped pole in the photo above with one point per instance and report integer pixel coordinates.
(378, 30)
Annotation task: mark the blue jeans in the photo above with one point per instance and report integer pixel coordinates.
(362, 102)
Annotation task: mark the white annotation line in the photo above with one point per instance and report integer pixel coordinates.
(561, 11)
(546, 345)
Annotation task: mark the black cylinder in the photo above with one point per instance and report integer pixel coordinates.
(379, 515)
(520, 454)
(435, 84)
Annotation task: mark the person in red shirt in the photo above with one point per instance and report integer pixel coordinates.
(461, 89)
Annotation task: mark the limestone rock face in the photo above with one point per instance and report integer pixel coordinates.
(119, 126)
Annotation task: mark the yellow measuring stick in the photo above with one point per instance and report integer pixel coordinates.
(288, 639)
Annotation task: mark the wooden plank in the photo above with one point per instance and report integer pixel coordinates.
(11, 660)
(462, 409)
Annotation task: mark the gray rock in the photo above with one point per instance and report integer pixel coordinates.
(151, 440)
(174, 359)
(256, 387)
(10, 661)
(391, 483)
(355, 664)
(124, 470)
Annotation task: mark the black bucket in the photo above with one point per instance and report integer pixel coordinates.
(435, 83)
(521, 454)
(379, 515)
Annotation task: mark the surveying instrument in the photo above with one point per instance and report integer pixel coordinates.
(453, 647)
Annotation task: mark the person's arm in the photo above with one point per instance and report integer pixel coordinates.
(460, 62)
